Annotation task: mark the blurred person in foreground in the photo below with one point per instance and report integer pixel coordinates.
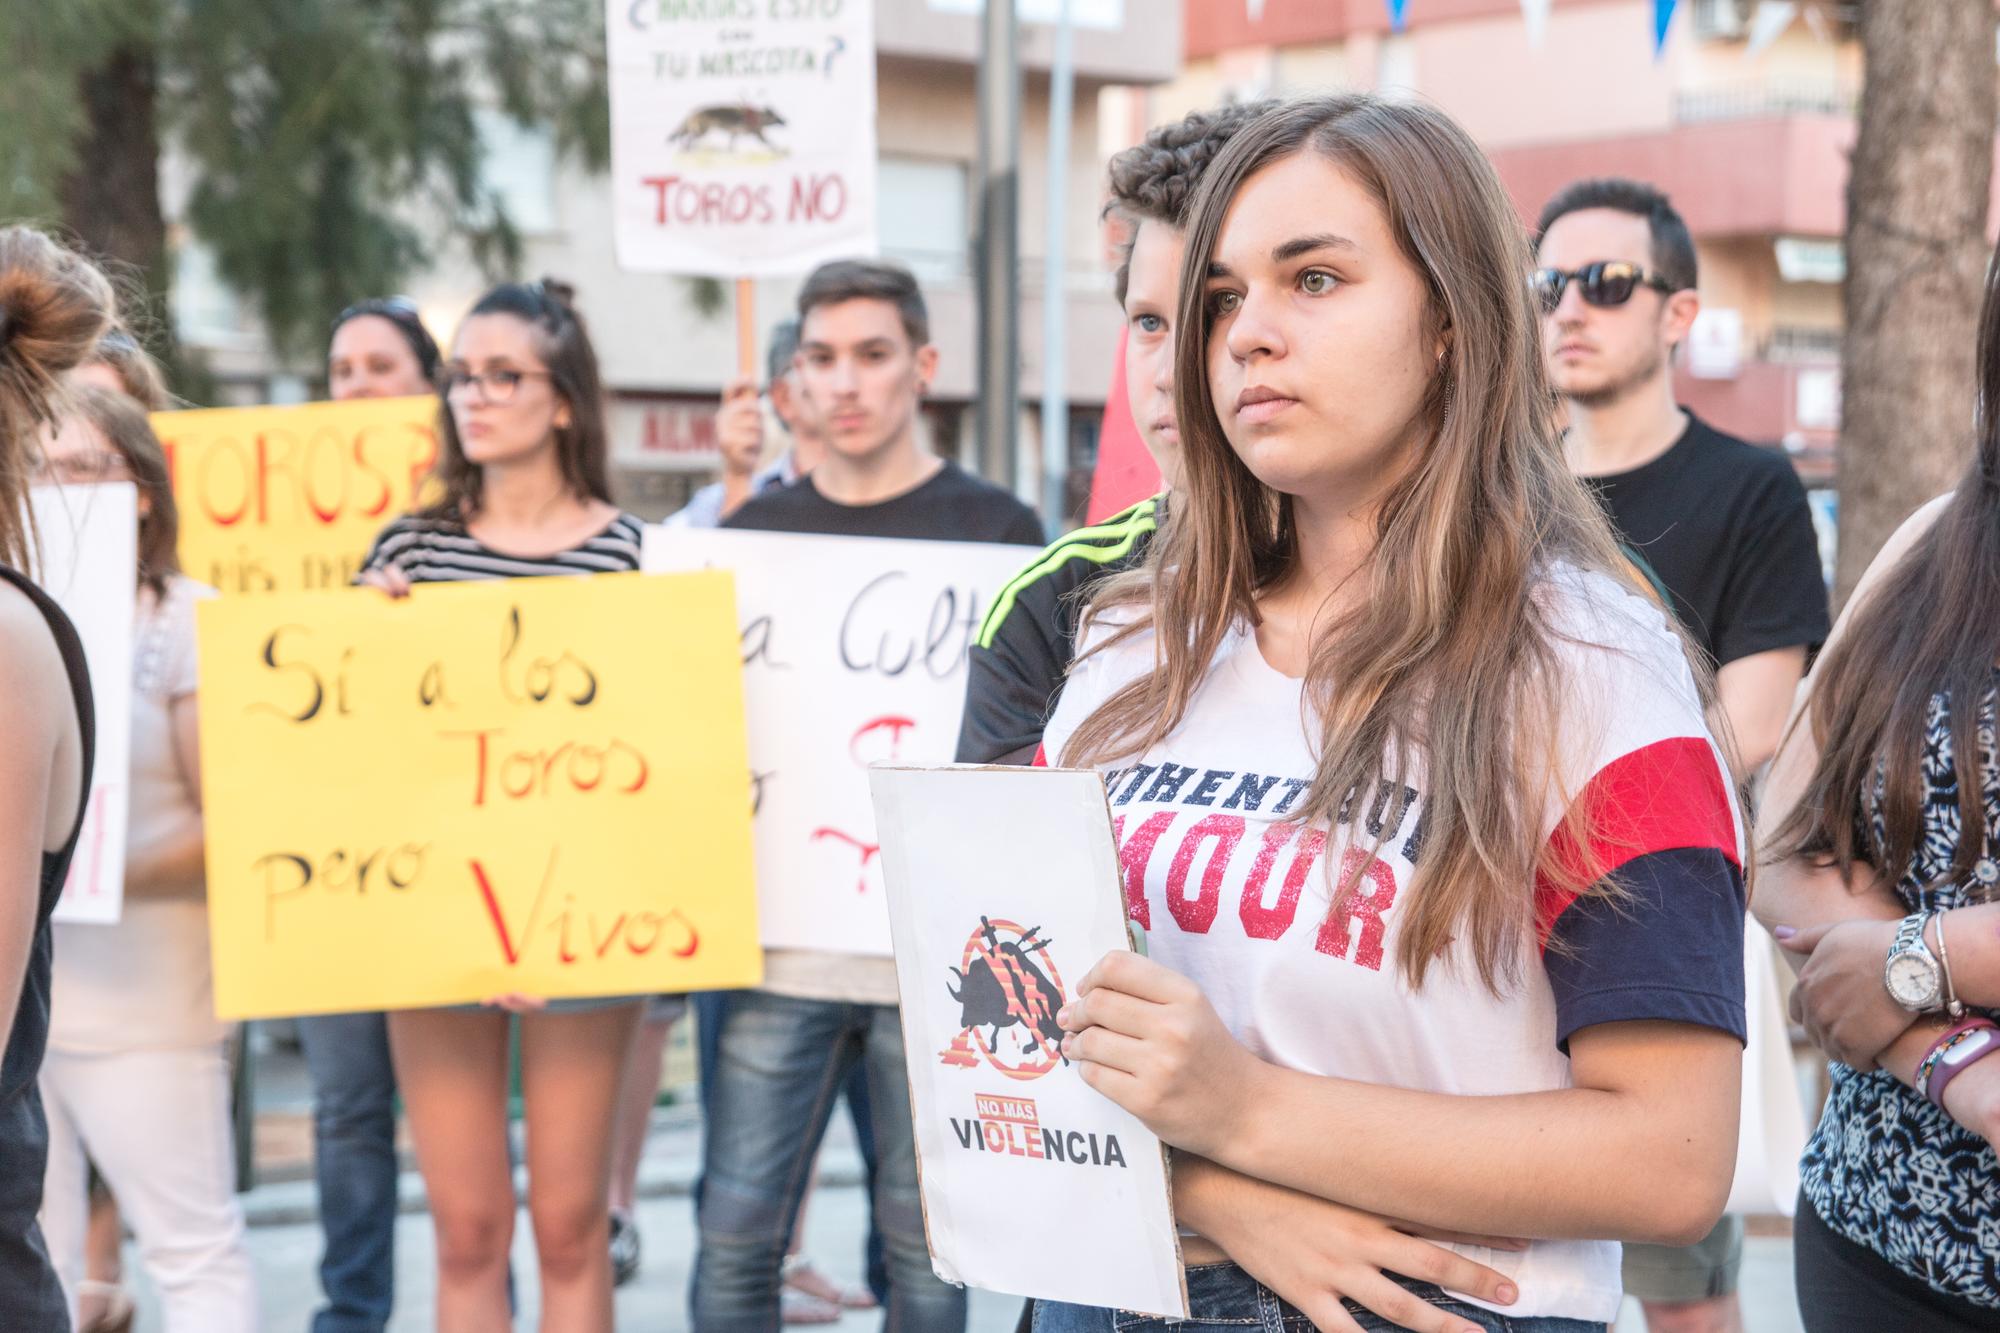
(54, 307)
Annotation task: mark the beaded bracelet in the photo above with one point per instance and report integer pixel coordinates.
(1957, 1050)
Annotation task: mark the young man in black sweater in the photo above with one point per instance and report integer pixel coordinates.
(865, 361)
(1721, 524)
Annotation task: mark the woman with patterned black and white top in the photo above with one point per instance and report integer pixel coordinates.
(1885, 887)
(522, 470)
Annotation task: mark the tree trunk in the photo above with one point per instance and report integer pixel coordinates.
(111, 200)
(1917, 203)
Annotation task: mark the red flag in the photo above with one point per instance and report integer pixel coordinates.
(1126, 473)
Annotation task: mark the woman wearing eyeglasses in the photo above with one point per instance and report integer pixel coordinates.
(379, 349)
(523, 492)
(133, 1017)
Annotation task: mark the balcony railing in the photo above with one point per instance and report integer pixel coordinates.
(1795, 346)
(1768, 99)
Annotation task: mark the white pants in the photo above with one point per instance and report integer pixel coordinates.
(157, 1125)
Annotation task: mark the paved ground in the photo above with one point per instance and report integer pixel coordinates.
(285, 1238)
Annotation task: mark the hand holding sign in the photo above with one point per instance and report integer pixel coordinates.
(1147, 1038)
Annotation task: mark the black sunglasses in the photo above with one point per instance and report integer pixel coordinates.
(1609, 282)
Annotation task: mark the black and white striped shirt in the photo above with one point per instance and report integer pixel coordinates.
(440, 550)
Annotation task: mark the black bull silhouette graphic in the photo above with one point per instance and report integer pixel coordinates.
(1004, 987)
(734, 120)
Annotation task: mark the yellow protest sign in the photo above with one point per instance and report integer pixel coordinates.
(530, 785)
(280, 499)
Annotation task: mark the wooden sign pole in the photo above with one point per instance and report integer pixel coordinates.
(746, 328)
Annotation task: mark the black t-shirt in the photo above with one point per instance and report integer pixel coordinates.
(953, 506)
(1022, 653)
(1726, 529)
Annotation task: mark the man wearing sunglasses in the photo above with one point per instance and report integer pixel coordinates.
(1722, 524)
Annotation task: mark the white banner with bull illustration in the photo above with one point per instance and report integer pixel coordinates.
(1003, 892)
(742, 134)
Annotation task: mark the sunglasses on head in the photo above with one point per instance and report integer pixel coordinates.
(393, 308)
(1609, 282)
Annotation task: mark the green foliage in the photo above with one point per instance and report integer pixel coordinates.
(331, 145)
(44, 50)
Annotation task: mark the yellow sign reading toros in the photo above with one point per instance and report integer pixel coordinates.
(535, 786)
(283, 499)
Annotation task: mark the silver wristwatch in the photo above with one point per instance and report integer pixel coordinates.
(1912, 975)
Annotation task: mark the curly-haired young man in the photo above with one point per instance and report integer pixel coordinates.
(1024, 648)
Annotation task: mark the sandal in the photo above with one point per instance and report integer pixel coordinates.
(117, 1314)
(799, 1307)
(801, 1276)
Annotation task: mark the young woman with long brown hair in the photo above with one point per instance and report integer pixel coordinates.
(1884, 882)
(54, 305)
(522, 491)
(1438, 861)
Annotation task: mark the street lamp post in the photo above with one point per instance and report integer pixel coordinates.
(999, 244)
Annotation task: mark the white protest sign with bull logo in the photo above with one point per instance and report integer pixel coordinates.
(854, 653)
(88, 561)
(742, 134)
(1003, 891)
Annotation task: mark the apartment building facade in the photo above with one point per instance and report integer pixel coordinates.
(668, 344)
(1750, 144)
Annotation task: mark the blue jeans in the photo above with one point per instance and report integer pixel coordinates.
(1222, 1298)
(858, 1107)
(779, 1065)
(354, 1163)
(709, 1009)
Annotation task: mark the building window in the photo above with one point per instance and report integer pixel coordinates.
(207, 311)
(921, 212)
(518, 166)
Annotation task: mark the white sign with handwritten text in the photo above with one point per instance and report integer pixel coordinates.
(742, 134)
(89, 557)
(854, 654)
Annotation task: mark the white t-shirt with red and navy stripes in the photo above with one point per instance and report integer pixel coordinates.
(1234, 893)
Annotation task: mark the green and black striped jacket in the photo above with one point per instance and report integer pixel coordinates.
(1028, 639)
